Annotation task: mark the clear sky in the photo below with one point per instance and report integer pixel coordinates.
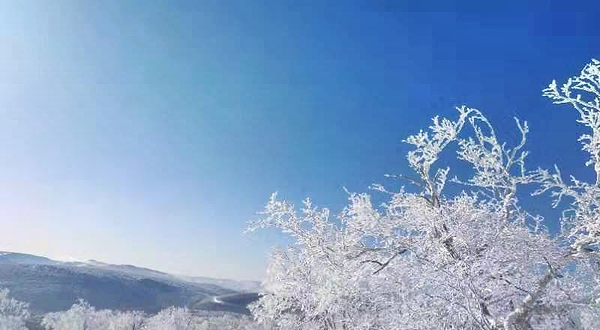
(149, 132)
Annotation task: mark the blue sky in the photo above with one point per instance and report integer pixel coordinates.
(148, 133)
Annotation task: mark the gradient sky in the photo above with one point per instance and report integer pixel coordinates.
(149, 132)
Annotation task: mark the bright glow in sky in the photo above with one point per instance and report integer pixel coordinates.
(148, 133)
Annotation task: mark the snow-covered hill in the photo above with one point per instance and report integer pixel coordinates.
(241, 286)
(50, 285)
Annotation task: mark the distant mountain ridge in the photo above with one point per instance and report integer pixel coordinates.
(14, 257)
(51, 285)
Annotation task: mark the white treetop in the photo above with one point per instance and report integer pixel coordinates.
(82, 316)
(430, 260)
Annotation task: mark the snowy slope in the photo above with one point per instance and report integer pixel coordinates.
(50, 285)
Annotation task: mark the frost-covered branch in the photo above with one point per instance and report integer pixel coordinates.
(583, 93)
(429, 145)
(583, 226)
(497, 168)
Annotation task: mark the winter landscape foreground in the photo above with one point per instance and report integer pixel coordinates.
(428, 257)
(93, 288)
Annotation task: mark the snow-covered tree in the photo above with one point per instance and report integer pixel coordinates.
(82, 316)
(427, 259)
(13, 313)
(227, 322)
(127, 321)
(174, 318)
(178, 318)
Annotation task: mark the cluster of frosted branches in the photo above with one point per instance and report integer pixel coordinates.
(582, 219)
(13, 313)
(583, 93)
(429, 260)
(82, 316)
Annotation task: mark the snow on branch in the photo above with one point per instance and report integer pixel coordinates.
(583, 93)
